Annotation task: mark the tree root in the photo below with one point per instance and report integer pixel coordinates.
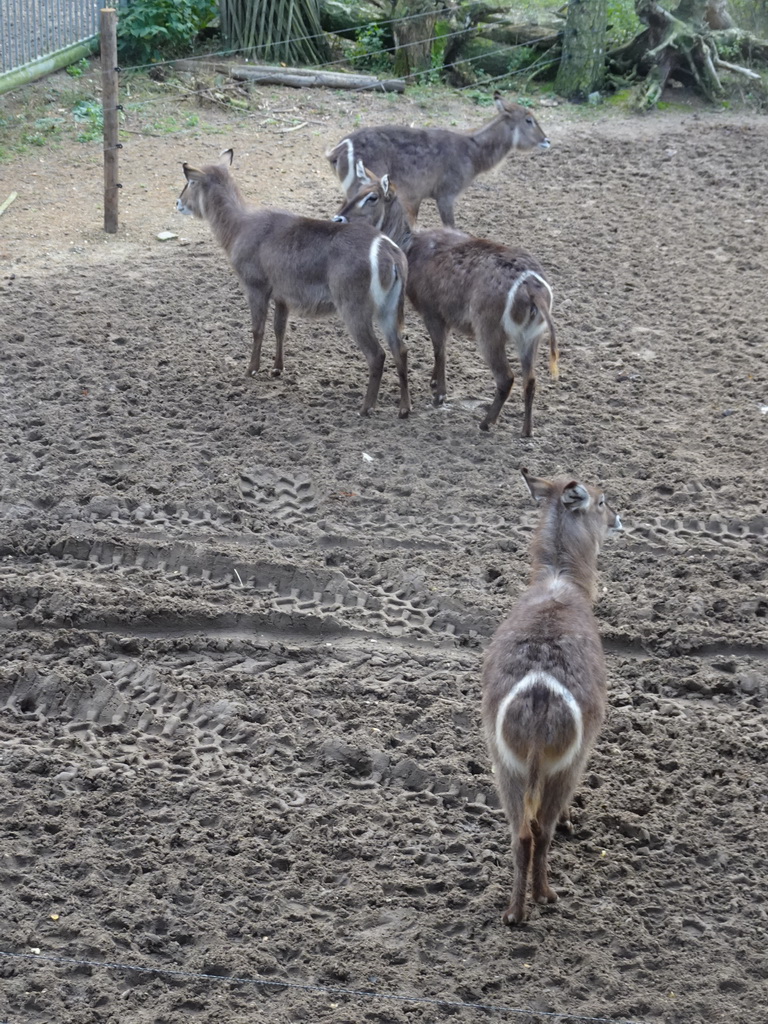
(686, 49)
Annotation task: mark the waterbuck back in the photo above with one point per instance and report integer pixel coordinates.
(544, 680)
(435, 163)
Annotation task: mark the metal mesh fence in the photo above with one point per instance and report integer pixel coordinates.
(30, 29)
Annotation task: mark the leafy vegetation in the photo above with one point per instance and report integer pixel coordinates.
(90, 114)
(78, 68)
(47, 115)
(151, 30)
(623, 22)
(369, 51)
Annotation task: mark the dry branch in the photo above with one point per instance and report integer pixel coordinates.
(736, 69)
(4, 206)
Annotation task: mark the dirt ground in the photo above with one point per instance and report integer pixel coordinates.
(242, 628)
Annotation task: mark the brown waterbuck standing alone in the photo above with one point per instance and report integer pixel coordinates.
(435, 163)
(490, 292)
(544, 684)
(314, 267)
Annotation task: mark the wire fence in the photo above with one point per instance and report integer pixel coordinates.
(369, 62)
(352, 994)
(209, 60)
(377, 57)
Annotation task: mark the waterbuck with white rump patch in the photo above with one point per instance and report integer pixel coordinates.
(315, 267)
(490, 292)
(435, 163)
(544, 687)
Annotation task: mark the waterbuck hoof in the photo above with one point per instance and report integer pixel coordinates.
(403, 414)
(277, 371)
(252, 371)
(513, 916)
(438, 399)
(565, 824)
(546, 896)
(485, 426)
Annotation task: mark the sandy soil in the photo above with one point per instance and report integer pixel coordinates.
(242, 628)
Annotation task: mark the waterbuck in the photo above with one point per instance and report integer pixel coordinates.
(544, 684)
(314, 267)
(435, 163)
(490, 292)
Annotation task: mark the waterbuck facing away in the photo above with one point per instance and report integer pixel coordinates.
(314, 267)
(435, 163)
(544, 686)
(490, 292)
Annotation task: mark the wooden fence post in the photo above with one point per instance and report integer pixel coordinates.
(108, 36)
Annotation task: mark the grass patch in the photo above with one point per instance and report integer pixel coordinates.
(66, 107)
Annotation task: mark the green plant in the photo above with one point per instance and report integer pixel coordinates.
(369, 50)
(78, 68)
(481, 99)
(170, 124)
(91, 115)
(522, 57)
(41, 131)
(729, 50)
(149, 30)
(623, 22)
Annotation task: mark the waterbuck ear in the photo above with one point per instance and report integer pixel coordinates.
(498, 99)
(539, 488)
(227, 156)
(387, 189)
(192, 173)
(575, 496)
(362, 173)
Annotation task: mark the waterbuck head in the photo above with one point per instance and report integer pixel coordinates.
(582, 500)
(190, 201)
(371, 201)
(575, 520)
(526, 131)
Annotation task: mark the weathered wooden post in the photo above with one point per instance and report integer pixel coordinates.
(108, 37)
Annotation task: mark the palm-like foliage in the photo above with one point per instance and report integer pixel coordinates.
(285, 31)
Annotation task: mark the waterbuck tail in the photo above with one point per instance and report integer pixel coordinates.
(534, 786)
(543, 307)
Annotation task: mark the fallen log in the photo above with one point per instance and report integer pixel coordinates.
(306, 78)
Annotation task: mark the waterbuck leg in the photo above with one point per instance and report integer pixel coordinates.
(280, 321)
(529, 389)
(438, 331)
(543, 830)
(497, 361)
(259, 304)
(515, 912)
(374, 355)
(411, 210)
(445, 209)
(542, 892)
(400, 353)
